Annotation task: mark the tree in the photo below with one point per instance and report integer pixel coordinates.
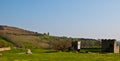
(60, 45)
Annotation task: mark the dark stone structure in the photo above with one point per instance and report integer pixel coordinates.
(110, 45)
(76, 45)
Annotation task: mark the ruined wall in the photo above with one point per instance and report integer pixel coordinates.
(110, 45)
(116, 48)
(76, 45)
(5, 48)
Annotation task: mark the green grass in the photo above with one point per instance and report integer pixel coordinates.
(50, 55)
(4, 43)
(95, 50)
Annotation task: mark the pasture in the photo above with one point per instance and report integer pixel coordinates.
(50, 55)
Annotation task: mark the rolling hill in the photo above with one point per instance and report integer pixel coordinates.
(22, 38)
(13, 36)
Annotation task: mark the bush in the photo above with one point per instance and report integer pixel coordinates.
(60, 45)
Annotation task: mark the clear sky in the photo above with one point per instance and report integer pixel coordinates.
(72, 18)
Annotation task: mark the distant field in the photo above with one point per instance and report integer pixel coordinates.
(46, 55)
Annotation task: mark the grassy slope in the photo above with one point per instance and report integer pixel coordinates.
(28, 39)
(47, 55)
(5, 43)
(22, 38)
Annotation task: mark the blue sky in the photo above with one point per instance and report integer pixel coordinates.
(72, 18)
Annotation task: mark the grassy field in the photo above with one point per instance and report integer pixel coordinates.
(47, 55)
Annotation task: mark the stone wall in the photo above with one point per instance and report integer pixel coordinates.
(76, 45)
(116, 48)
(5, 48)
(110, 45)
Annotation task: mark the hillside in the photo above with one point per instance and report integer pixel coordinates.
(22, 38)
(5, 43)
(28, 39)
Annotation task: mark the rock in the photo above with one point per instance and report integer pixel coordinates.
(28, 51)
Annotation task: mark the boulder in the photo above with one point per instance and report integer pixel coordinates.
(29, 51)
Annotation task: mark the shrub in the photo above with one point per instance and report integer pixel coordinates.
(60, 45)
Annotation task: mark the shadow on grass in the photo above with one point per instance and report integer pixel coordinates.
(87, 50)
(51, 52)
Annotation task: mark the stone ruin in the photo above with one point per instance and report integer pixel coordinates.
(110, 45)
(107, 45)
(5, 48)
(76, 45)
